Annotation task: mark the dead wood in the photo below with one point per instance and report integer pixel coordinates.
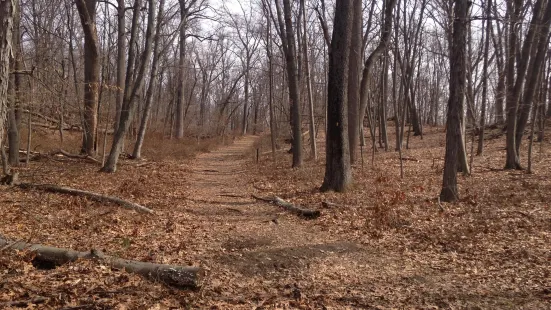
(24, 303)
(410, 159)
(290, 207)
(171, 275)
(90, 195)
(328, 204)
(74, 156)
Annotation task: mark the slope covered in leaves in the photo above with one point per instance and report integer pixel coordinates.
(387, 243)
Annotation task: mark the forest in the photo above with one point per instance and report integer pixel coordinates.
(275, 154)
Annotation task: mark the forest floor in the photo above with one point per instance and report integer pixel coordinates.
(386, 244)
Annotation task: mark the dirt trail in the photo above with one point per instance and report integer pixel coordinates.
(258, 251)
(219, 175)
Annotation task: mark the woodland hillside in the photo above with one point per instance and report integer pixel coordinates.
(275, 154)
(386, 243)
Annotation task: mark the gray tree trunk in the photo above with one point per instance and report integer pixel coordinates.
(7, 8)
(488, 25)
(533, 75)
(354, 80)
(338, 175)
(14, 113)
(121, 59)
(87, 13)
(153, 79)
(132, 92)
(458, 78)
(514, 87)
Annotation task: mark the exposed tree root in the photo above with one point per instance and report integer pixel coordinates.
(89, 195)
(171, 275)
(290, 207)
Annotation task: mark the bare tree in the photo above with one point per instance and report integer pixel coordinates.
(287, 34)
(132, 90)
(153, 79)
(458, 78)
(338, 176)
(7, 9)
(87, 13)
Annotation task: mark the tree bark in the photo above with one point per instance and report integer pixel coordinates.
(14, 113)
(514, 87)
(121, 59)
(313, 145)
(180, 102)
(87, 13)
(370, 61)
(7, 8)
(338, 175)
(354, 80)
(292, 78)
(533, 75)
(153, 79)
(458, 71)
(488, 25)
(132, 91)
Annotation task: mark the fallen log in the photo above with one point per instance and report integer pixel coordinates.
(74, 156)
(90, 195)
(171, 275)
(290, 207)
(24, 303)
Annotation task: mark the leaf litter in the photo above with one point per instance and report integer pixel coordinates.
(388, 243)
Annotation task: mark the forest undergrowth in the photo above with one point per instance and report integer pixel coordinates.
(387, 243)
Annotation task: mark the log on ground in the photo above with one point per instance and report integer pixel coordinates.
(50, 257)
(90, 195)
(290, 207)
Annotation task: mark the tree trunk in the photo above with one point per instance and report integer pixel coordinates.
(537, 61)
(488, 25)
(273, 129)
(354, 80)
(121, 59)
(246, 99)
(292, 76)
(514, 87)
(14, 120)
(313, 145)
(180, 102)
(87, 13)
(458, 73)
(338, 175)
(7, 9)
(153, 79)
(370, 61)
(132, 91)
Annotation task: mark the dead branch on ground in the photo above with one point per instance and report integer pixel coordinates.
(290, 207)
(90, 195)
(171, 275)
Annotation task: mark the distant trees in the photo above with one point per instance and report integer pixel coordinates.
(127, 70)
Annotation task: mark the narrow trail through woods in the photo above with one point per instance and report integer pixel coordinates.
(218, 176)
(256, 248)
